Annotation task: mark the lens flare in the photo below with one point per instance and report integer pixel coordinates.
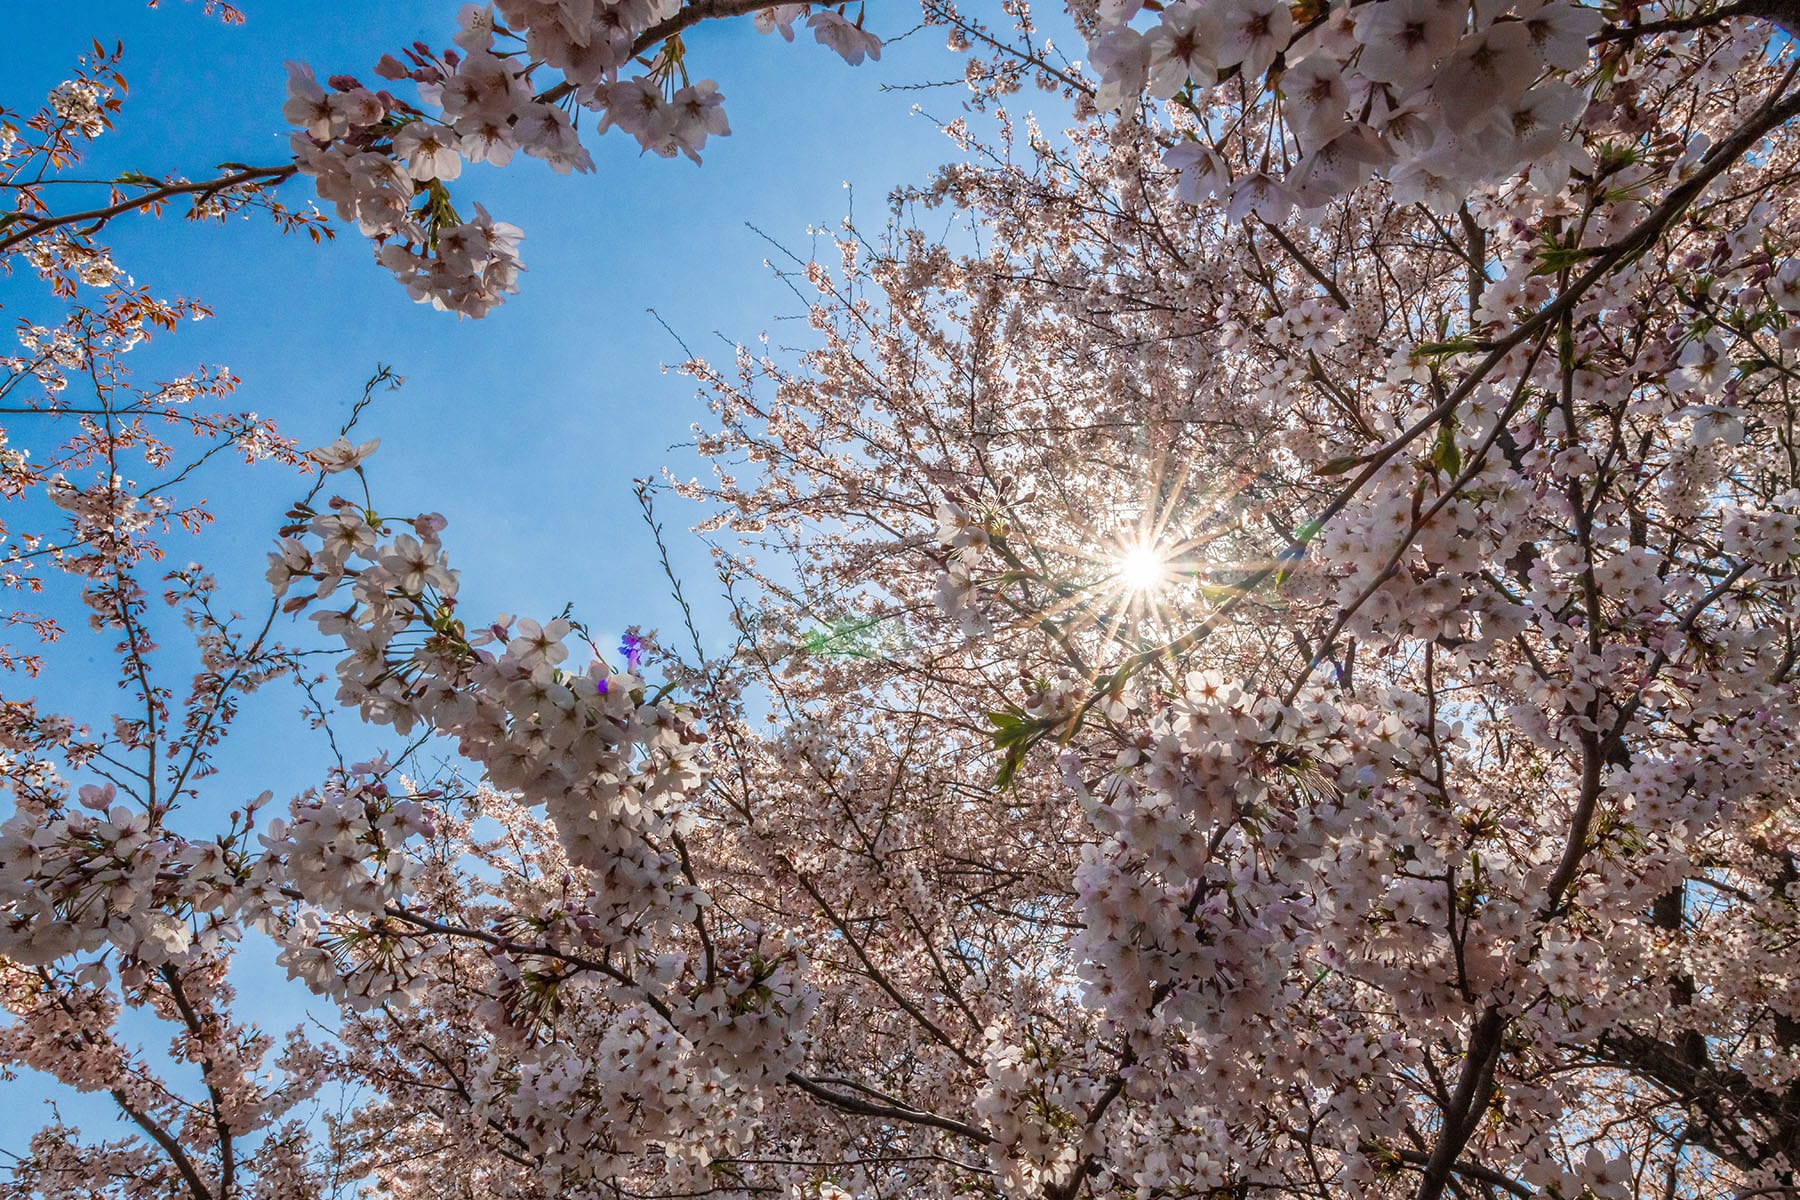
(1142, 569)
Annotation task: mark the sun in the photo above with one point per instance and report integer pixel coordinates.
(1143, 569)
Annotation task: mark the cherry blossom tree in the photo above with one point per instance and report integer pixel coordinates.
(1343, 598)
(1263, 666)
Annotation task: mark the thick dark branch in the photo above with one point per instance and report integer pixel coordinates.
(208, 1073)
(1730, 1104)
(1487, 1175)
(183, 1164)
(258, 176)
(896, 1110)
(1718, 16)
(1308, 265)
(689, 16)
(1466, 1107)
(1785, 13)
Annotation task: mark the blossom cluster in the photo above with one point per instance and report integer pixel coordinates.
(74, 882)
(384, 162)
(1328, 730)
(569, 1103)
(609, 764)
(1437, 95)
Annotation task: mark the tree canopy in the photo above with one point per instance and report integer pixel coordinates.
(1268, 668)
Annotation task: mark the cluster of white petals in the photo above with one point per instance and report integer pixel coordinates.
(521, 73)
(1438, 96)
(608, 764)
(1299, 705)
(74, 882)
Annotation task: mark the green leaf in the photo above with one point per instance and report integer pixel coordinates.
(1014, 735)
(1010, 719)
(1444, 455)
(1551, 259)
(1341, 464)
(1009, 766)
(1459, 345)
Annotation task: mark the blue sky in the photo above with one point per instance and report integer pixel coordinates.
(527, 427)
(524, 429)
